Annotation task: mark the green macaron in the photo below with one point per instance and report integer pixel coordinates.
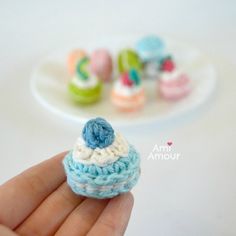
(129, 59)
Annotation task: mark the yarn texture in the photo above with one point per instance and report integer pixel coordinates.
(103, 182)
(98, 133)
(103, 164)
(100, 156)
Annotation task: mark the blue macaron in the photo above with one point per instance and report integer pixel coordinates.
(150, 48)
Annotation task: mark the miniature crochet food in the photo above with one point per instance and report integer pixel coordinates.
(102, 163)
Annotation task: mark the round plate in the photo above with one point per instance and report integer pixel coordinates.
(50, 77)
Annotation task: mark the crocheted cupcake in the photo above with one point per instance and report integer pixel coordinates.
(102, 164)
(128, 93)
(173, 84)
(84, 88)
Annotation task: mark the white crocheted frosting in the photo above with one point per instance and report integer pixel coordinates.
(124, 90)
(98, 156)
(170, 76)
(91, 82)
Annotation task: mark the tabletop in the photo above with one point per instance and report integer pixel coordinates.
(194, 194)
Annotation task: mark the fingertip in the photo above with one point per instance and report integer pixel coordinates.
(125, 198)
(60, 155)
(130, 197)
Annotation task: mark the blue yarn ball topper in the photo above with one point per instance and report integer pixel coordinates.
(98, 133)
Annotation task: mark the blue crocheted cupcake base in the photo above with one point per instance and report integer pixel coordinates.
(103, 182)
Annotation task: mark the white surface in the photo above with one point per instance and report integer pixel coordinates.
(50, 77)
(193, 196)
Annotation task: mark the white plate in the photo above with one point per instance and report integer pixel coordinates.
(49, 86)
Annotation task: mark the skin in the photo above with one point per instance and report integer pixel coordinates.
(39, 202)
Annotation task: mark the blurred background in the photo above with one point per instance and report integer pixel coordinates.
(195, 195)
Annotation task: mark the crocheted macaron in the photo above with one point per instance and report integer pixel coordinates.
(150, 48)
(73, 57)
(101, 64)
(102, 163)
(128, 59)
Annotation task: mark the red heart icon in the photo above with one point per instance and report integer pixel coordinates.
(169, 143)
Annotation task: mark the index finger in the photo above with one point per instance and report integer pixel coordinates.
(22, 194)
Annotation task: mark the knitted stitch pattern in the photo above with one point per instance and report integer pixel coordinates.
(103, 182)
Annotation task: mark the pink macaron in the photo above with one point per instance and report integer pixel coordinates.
(101, 64)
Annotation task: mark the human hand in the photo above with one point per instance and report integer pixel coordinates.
(39, 202)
